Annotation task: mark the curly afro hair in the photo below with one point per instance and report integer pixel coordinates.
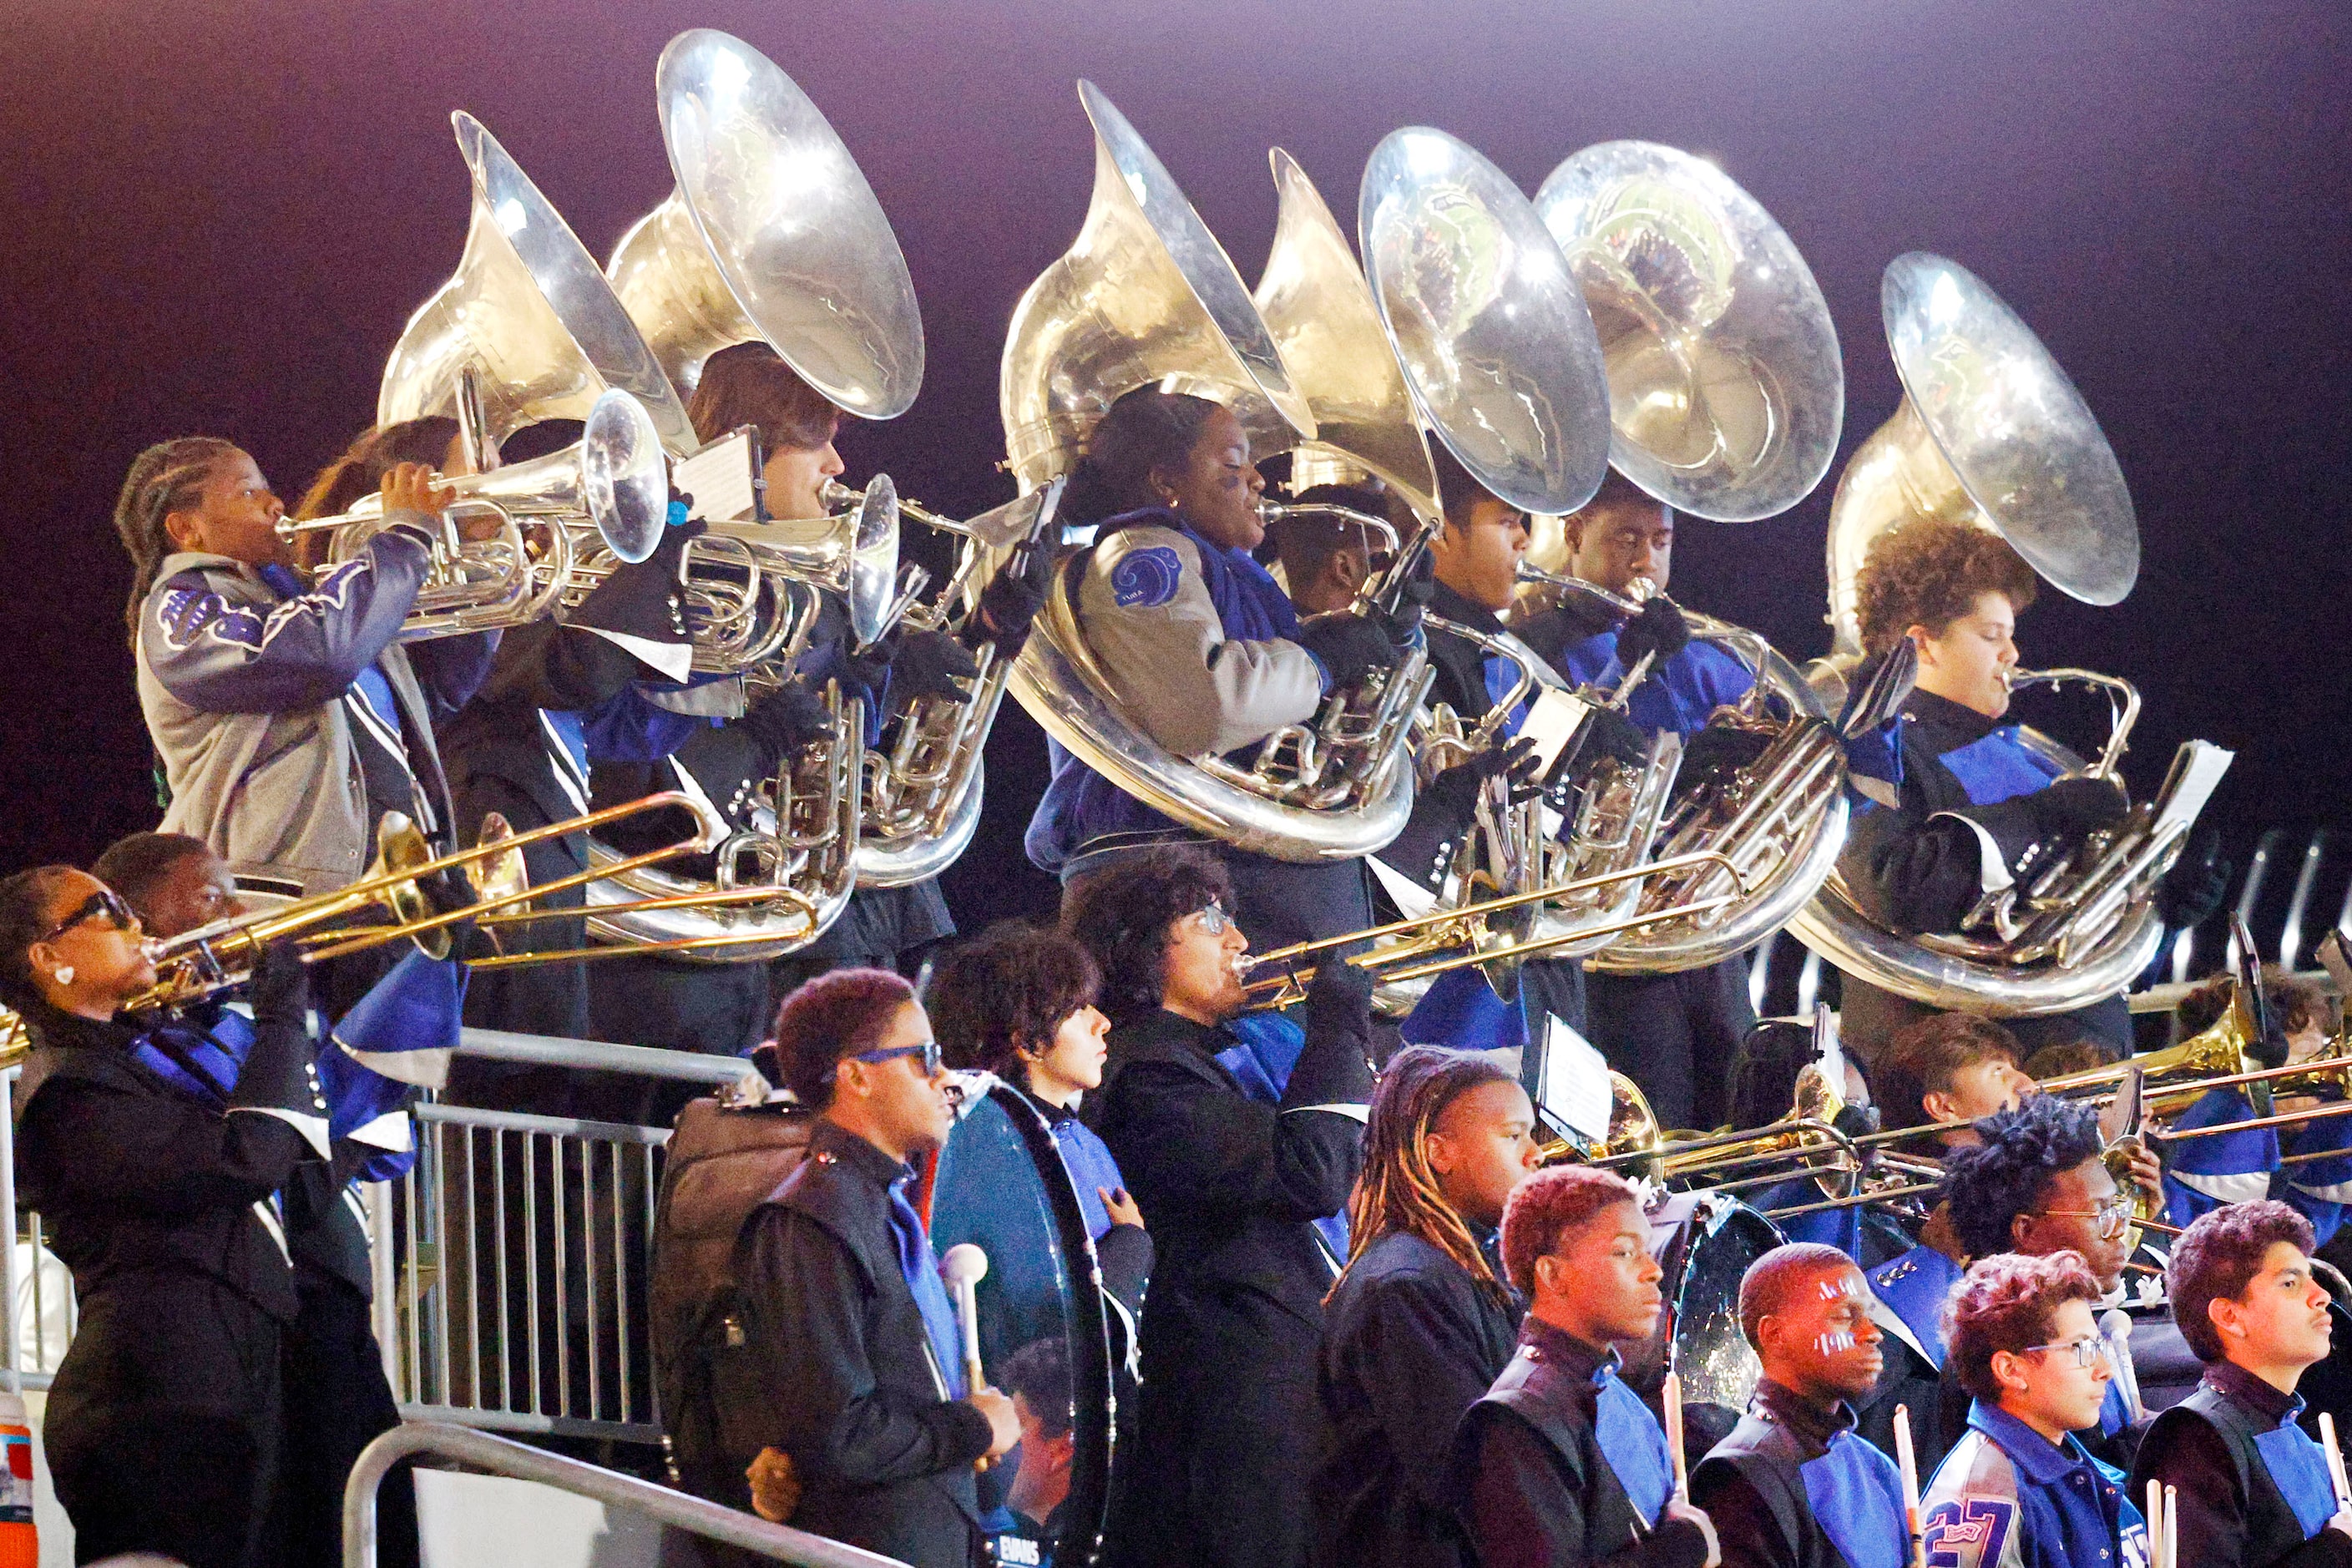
(1987, 1188)
(839, 1013)
(1548, 1203)
(1122, 914)
(2007, 1303)
(2218, 1256)
(1928, 572)
(1010, 989)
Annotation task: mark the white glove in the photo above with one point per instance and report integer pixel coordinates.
(1677, 1508)
(2342, 1521)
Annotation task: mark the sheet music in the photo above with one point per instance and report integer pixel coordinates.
(1551, 723)
(1575, 1086)
(2197, 769)
(719, 477)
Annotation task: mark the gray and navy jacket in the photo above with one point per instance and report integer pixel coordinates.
(267, 704)
(1197, 645)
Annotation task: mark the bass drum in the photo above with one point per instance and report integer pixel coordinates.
(1000, 1185)
(1705, 1242)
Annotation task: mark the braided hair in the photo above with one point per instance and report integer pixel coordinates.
(166, 478)
(1398, 1190)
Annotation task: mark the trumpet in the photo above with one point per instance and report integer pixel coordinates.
(610, 490)
(1464, 928)
(221, 956)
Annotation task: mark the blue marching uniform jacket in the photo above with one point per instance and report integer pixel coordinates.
(2005, 1496)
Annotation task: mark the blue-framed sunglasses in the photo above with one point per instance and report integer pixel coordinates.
(929, 1051)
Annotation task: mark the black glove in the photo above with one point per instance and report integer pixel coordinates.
(1016, 595)
(929, 664)
(2191, 893)
(1339, 1001)
(1721, 749)
(1420, 586)
(1608, 734)
(1349, 647)
(281, 985)
(1659, 628)
(785, 719)
(643, 599)
(2077, 805)
(1453, 793)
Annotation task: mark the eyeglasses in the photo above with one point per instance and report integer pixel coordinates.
(929, 1050)
(2114, 1216)
(105, 901)
(1214, 919)
(2087, 1353)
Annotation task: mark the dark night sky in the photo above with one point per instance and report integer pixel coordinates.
(215, 218)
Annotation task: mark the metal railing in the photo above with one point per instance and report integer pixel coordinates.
(499, 1456)
(510, 1264)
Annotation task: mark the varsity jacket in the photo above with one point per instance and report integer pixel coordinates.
(2006, 1497)
(247, 689)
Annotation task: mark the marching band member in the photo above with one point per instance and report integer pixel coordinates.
(1475, 557)
(1020, 1003)
(1794, 1486)
(1676, 1035)
(175, 884)
(1421, 1324)
(2233, 1167)
(1244, 1162)
(287, 717)
(2036, 1185)
(1560, 1464)
(1946, 1072)
(850, 1363)
(513, 747)
(164, 1431)
(2252, 1488)
(1201, 643)
(1975, 802)
(1326, 560)
(2019, 1491)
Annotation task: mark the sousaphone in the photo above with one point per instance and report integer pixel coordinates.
(1991, 432)
(1726, 398)
(1145, 295)
(527, 314)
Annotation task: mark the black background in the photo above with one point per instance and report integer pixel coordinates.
(214, 218)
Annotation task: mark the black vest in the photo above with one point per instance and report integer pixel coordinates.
(2271, 1529)
(1768, 1457)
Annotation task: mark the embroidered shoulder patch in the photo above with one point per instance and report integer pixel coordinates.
(1146, 579)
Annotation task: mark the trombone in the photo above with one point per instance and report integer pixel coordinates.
(1442, 930)
(221, 956)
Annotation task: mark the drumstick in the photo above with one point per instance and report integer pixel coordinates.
(1672, 1398)
(2335, 1460)
(2155, 1524)
(1908, 1461)
(965, 1265)
(2171, 1528)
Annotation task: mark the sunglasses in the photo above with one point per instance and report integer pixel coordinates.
(929, 1050)
(105, 901)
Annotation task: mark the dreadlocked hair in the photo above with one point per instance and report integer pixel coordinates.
(1397, 1190)
(166, 478)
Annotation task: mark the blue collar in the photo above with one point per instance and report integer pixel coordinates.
(2039, 1461)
